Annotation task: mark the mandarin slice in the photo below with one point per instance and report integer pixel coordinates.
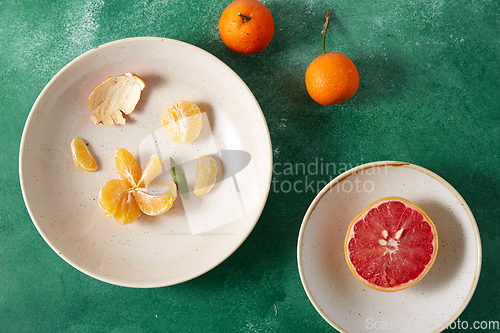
(117, 200)
(206, 174)
(115, 97)
(151, 171)
(127, 167)
(162, 188)
(182, 121)
(81, 156)
(153, 205)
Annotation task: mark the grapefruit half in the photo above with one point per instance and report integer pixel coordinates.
(391, 244)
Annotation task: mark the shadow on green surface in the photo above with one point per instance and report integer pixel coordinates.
(381, 79)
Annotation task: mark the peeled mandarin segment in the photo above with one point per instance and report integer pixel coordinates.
(151, 171)
(81, 156)
(206, 174)
(162, 189)
(116, 200)
(113, 98)
(127, 210)
(153, 205)
(109, 193)
(127, 167)
(182, 122)
(391, 244)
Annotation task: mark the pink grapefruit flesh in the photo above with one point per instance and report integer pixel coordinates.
(391, 244)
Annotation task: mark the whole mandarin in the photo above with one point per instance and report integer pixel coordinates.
(332, 78)
(246, 26)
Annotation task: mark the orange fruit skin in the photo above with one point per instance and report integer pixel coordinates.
(373, 249)
(246, 37)
(332, 78)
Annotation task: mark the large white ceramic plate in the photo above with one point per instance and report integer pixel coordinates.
(196, 234)
(432, 304)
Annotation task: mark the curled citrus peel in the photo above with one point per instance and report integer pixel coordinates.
(132, 194)
(115, 97)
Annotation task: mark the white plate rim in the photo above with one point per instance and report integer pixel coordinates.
(336, 181)
(24, 184)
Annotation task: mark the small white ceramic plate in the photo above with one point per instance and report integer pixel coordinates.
(347, 304)
(196, 234)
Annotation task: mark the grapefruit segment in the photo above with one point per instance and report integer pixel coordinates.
(391, 244)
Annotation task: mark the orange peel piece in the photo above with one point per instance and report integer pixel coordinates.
(115, 97)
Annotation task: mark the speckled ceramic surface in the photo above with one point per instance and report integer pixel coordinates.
(347, 304)
(196, 234)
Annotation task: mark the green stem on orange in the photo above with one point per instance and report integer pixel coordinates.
(244, 17)
(325, 28)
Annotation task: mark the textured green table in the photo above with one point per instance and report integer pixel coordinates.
(429, 95)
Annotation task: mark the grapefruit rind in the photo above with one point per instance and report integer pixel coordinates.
(409, 283)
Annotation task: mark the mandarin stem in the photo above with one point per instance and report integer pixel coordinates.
(244, 17)
(325, 27)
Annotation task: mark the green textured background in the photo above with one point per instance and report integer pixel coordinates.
(429, 95)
